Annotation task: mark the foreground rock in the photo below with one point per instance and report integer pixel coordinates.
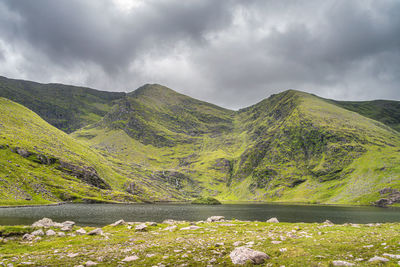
(378, 259)
(141, 227)
(216, 219)
(97, 231)
(342, 263)
(119, 222)
(130, 258)
(243, 255)
(273, 220)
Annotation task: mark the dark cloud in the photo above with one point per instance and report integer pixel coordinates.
(232, 53)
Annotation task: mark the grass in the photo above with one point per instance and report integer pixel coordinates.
(301, 244)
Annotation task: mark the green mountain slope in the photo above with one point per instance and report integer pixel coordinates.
(41, 164)
(68, 108)
(290, 147)
(385, 111)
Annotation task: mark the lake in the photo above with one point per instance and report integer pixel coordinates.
(102, 214)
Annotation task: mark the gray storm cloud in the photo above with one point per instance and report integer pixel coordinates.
(232, 53)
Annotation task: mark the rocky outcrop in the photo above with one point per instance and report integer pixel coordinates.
(392, 196)
(84, 173)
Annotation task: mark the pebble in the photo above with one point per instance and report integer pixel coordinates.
(377, 258)
(130, 258)
(342, 263)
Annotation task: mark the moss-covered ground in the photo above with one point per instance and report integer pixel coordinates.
(287, 244)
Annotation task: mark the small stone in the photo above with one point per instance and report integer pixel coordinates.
(368, 246)
(130, 258)
(141, 227)
(152, 224)
(61, 234)
(276, 242)
(38, 233)
(97, 231)
(378, 259)
(50, 232)
(150, 255)
(328, 222)
(215, 219)
(219, 244)
(119, 222)
(243, 255)
(81, 231)
(191, 227)
(73, 255)
(273, 220)
(237, 243)
(90, 263)
(342, 263)
(170, 228)
(397, 257)
(283, 249)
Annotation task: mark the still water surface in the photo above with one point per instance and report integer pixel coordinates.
(102, 214)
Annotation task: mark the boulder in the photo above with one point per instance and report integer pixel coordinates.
(243, 255)
(97, 231)
(50, 232)
(45, 222)
(28, 237)
(141, 227)
(273, 220)
(119, 222)
(81, 231)
(216, 219)
(328, 222)
(38, 232)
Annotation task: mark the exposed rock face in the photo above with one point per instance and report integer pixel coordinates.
(38, 158)
(393, 196)
(86, 174)
(243, 255)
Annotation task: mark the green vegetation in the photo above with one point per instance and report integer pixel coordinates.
(385, 111)
(66, 107)
(287, 244)
(206, 201)
(155, 144)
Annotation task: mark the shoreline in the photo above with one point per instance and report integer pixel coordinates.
(189, 203)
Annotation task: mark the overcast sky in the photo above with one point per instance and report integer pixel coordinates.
(231, 53)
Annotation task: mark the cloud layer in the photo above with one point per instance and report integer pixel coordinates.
(231, 53)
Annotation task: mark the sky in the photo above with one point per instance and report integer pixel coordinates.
(232, 53)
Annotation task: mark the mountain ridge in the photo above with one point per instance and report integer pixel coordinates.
(291, 147)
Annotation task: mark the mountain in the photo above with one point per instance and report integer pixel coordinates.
(156, 144)
(66, 107)
(292, 146)
(41, 164)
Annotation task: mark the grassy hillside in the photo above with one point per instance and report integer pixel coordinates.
(385, 111)
(41, 164)
(68, 108)
(290, 147)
